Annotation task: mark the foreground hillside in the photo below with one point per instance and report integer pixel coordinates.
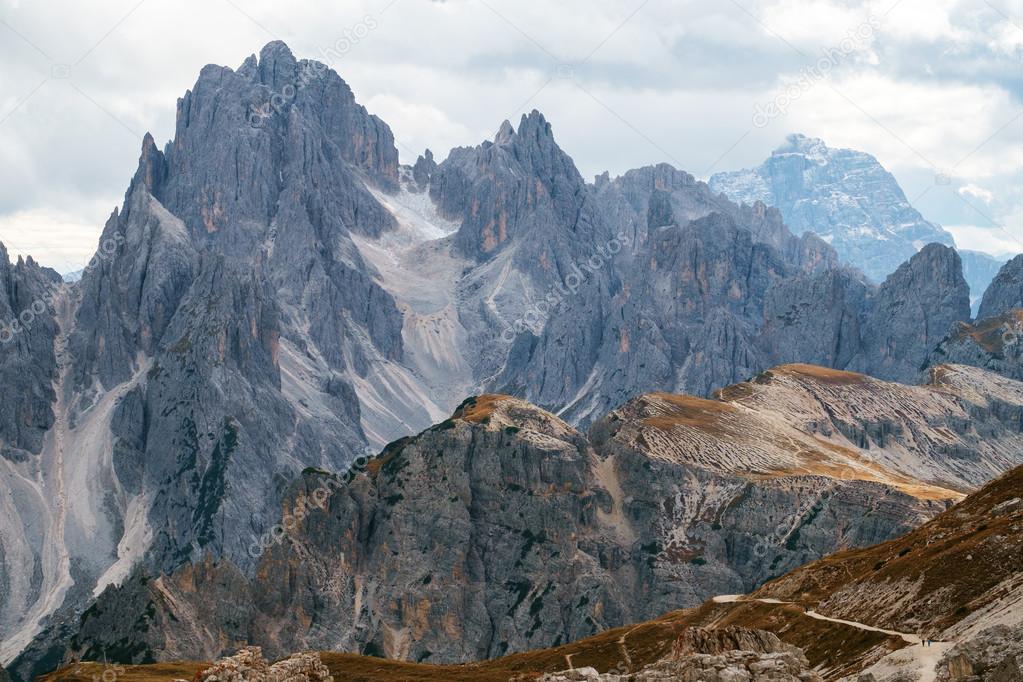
(623, 649)
(503, 529)
(846, 612)
(951, 577)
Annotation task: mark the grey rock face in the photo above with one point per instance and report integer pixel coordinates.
(995, 655)
(535, 233)
(28, 328)
(521, 184)
(912, 312)
(30, 300)
(653, 197)
(423, 170)
(1005, 292)
(704, 304)
(817, 319)
(209, 353)
(844, 196)
(681, 308)
(222, 269)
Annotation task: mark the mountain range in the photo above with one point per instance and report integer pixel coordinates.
(278, 300)
(849, 200)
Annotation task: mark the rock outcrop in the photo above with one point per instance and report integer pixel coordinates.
(32, 299)
(704, 655)
(912, 312)
(29, 298)
(248, 665)
(994, 655)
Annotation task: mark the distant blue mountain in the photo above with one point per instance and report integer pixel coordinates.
(850, 200)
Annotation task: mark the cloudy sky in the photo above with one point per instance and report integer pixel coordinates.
(933, 88)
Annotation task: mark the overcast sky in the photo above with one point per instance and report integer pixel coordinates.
(932, 88)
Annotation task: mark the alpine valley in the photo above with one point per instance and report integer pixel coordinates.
(308, 398)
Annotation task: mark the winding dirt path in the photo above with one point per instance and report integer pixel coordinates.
(919, 656)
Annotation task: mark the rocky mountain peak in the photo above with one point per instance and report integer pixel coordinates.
(152, 168)
(1005, 292)
(534, 124)
(502, 190)
(845, 196)
(277, 64)
(914, 309)
(939, 268)
(270, 109)
(423, 170)
(810, 147)
(535, 148)
(505, 134)
(497, 412)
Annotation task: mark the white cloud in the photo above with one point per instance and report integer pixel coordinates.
(63, 241)
(419, 126)
(994, 241)
(928, 20)
(977, 192)
(816, 24)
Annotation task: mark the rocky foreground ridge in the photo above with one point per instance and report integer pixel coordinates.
(837, 612)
